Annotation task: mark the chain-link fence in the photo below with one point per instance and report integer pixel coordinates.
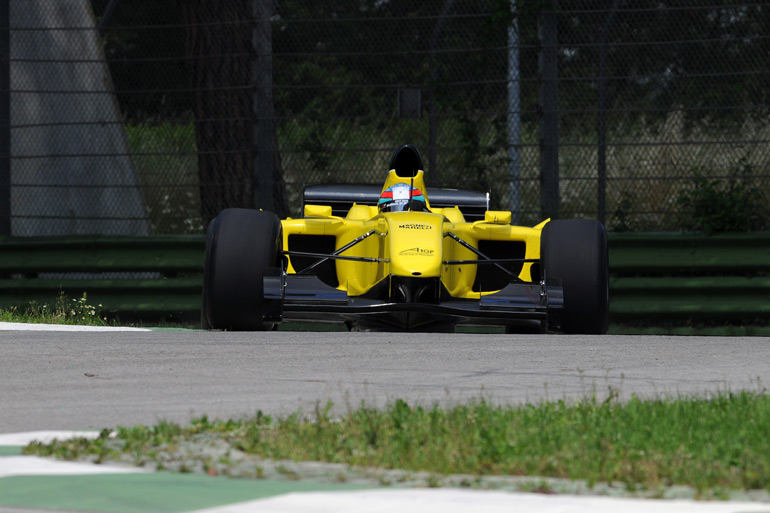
(150, 116)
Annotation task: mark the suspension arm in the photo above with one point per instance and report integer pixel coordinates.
(481, 255)
(324, 258)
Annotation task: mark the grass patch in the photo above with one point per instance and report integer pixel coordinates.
(711, 444)
(64, 310)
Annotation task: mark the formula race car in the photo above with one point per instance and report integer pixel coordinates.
(404, 257)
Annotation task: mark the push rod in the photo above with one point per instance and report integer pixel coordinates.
(491, 261)
(480, 254)
(331, 257)
(344, 248)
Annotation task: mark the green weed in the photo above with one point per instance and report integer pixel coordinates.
(63, 311)
(713, 443)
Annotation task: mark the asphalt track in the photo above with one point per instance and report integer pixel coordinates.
(72, 380)
(94, 380)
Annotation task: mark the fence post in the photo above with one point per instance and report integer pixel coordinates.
(549, 112)
(5, 118)
(432, 177)
(601, 128)
(264, 152)
(514, 118)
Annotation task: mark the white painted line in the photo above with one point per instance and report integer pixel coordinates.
(463, 501)
(46, 437)
(21, 326)
(34, 466)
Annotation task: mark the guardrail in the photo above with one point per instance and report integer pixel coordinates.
(657, 280)
(691, 283)
(149, 278)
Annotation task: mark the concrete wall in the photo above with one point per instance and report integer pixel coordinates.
(71, 172)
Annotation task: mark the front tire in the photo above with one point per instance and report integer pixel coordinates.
(575, 252)
(241, 244)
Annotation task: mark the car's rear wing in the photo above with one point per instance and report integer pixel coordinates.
(341, 197)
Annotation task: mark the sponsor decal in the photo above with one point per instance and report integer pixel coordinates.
(417, 252)
(415, 226)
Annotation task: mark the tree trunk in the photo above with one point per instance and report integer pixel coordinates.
(220, 54)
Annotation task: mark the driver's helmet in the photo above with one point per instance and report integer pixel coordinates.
(396, 198)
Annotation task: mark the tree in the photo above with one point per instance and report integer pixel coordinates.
(220, 49)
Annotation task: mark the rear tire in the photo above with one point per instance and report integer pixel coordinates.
(240, 245)
(575, 252)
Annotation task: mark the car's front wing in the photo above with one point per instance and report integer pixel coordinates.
(306, 298)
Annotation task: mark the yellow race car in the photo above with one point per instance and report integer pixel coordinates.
(404, 258)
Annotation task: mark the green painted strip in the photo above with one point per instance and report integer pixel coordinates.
(690, 284)
(672, 252)
(662, 259)
(97, 254)
(146, 285)
(10, 450)
(717, 306)
(139, 493)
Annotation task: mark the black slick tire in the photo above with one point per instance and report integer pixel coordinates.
(240, 245)
(574, 251)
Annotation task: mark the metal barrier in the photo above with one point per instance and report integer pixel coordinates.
(152, 278)
(690, 280)
(657, 280)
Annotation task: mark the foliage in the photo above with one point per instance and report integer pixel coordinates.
(714, 205)
(353, 42)
(144, 43)
(621, 221)
(706, 443)
(63, 311)
(165, 154)
(337, 67)
(652, 79)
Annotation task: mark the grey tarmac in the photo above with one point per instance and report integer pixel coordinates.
(95, 380)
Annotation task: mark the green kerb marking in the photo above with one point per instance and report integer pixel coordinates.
(10, 450)
(138, 493)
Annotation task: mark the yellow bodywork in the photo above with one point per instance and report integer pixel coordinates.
(410, 244)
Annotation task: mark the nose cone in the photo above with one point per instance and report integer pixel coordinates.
(415, 240)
